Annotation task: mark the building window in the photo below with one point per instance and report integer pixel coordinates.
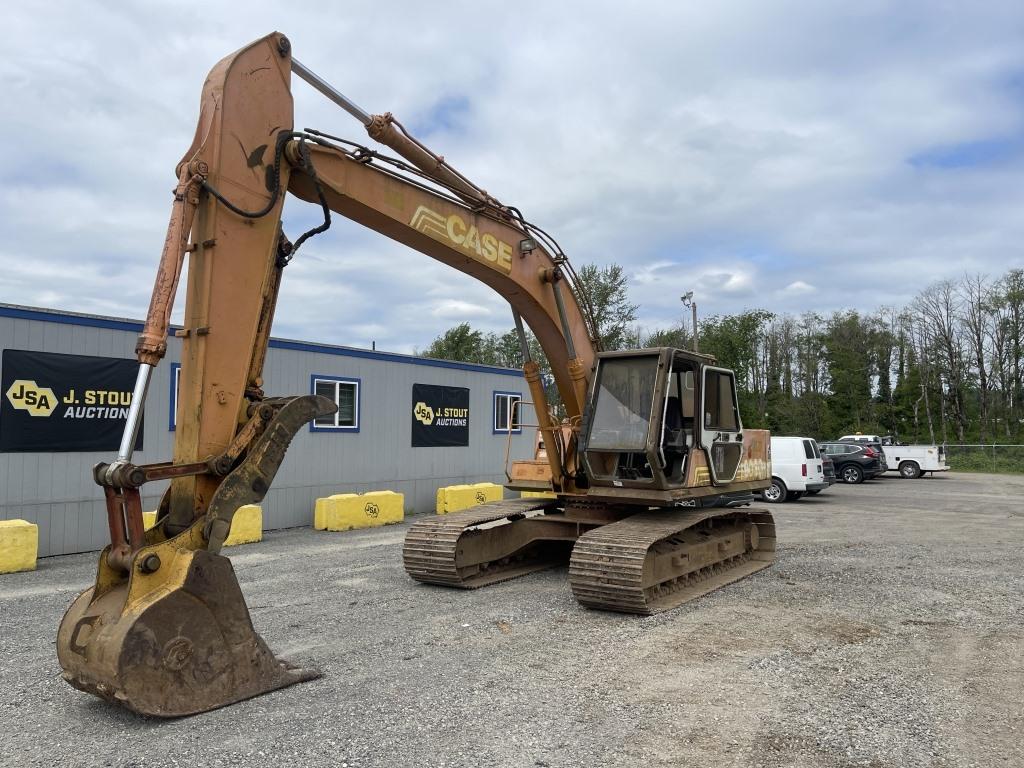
(506, 412)
(345, 394)
(172, 420)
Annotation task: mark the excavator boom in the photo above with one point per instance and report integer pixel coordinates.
(165, 629)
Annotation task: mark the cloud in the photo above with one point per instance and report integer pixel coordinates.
(738, 150)
(453, 309)
(648, 274)
(732, 282)
(798, 287)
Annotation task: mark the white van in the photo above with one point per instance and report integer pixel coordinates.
(796, 469)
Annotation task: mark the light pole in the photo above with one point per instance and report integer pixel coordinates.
(687, 299)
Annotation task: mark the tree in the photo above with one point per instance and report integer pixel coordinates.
(604, 288)
(939, 306)
(736, 341)
(851, 369)
(1000, 333)
(1012, 296)
(949, 366)
(460, 343)
(975, 316)
(502, 349)
(465, 345)
(666, 337)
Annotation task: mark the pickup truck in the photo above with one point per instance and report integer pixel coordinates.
(911, 461)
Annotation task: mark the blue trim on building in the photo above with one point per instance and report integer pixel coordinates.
(90, 321)
(390, 357)
(314, 378)
(494, 412)
(21, 313)
(173, 399)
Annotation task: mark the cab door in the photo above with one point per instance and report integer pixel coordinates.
(721, 434)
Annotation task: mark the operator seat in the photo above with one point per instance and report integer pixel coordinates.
(676, 440)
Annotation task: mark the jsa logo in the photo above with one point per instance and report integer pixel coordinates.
(424, 414)
(28, 396)
(485, 247)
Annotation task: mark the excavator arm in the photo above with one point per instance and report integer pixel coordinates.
(232, 185)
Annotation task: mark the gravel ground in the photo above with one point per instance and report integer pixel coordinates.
(888, 633)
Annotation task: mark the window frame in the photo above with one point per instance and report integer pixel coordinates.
(338, 428)
(733, 421)
(172, 417)
(495, 394)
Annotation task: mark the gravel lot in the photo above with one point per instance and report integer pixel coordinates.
(889, 633)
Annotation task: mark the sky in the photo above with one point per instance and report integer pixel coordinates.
(788, 155)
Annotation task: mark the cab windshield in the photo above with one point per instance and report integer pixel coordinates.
(625, 398)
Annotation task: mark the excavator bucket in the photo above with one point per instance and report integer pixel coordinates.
(167, 647)
(165, 630)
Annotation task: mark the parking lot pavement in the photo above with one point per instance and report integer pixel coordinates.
(888, 633)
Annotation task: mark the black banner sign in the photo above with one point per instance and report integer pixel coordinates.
(440, 416)
(64, 402)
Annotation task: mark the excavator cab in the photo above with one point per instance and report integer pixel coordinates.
(657, 416)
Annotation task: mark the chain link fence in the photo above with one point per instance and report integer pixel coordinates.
(994, 457)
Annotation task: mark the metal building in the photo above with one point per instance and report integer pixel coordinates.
(367, 446)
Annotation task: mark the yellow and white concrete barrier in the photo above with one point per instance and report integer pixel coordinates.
(537, 495)
(19, 545)
(246, 525)
(348, 511)
(320, 510)
(452, 498)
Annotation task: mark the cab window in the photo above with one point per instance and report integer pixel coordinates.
(625, 398)
(719, 405)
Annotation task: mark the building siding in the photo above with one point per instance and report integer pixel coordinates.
(56, 491)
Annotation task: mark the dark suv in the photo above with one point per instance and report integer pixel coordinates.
(853, 463)
(874, 445)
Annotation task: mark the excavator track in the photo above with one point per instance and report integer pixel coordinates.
(654, 561)
(440, 550)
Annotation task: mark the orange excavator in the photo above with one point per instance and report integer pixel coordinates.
(648, 469)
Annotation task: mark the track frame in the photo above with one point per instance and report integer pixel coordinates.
(641, 563)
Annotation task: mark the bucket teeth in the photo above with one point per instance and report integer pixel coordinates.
(174, 651)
